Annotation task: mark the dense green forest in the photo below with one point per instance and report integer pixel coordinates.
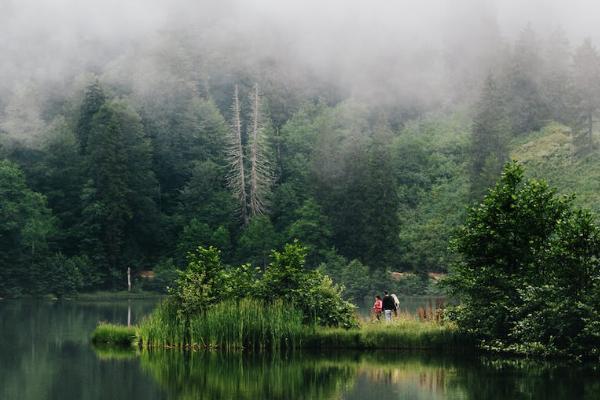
(127, 171)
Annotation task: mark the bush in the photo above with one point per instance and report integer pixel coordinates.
(312, 291)
(207, 282)
(528, 275)
(200, 284)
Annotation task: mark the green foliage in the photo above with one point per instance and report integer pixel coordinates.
(60, 275)
(310, 290)
(200, 285)
(360, 199)
(312, 228)
(94, 98)
(119, 210)
(206, 283)
(490, 138)
(165, 276)
(26, 225)
(431, 164)
(257, 240)
(528, 270)
(198, 233)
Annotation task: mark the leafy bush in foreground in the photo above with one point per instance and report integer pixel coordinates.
(207, 282)
(529, 275)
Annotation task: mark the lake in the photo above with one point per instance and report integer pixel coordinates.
(45, 354)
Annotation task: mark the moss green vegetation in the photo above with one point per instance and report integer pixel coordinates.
(114, 335)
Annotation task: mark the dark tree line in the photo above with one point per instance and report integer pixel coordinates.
(137, 175)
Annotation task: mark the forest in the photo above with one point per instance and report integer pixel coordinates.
(136, 163)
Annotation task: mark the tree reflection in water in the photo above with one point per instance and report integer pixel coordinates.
(391, 375)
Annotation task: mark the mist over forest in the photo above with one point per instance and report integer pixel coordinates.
(363, 129)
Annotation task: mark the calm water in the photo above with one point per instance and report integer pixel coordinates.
(45, 354)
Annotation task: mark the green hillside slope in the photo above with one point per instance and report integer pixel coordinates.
(549, 154)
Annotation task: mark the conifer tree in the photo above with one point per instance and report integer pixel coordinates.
(119, 210)
(489, 139)
(556, 76)
(586, 86)
(527, 108)
(93, 100)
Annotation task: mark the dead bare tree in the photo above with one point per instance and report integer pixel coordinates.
(236, 178)
(261, 176)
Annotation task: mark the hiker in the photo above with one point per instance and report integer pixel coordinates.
(396, 305)
(388, 306)
(378, 307)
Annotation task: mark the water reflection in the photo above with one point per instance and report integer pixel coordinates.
(45, 354)
(200, 375)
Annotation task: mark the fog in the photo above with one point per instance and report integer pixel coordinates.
(424, 51)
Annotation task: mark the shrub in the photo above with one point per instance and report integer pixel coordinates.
(313, 292)
(201, 283)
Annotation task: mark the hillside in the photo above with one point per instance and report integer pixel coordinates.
(550, 155)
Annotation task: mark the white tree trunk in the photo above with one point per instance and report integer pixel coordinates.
(260, 168)
(236, 178)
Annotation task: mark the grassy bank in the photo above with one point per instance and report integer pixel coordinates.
(405, 333)
(114, 335)
(251, 325)
(117, 295)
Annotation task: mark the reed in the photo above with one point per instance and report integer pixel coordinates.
(114, 335)
(163, 328)
(247, 324)
(258, 326)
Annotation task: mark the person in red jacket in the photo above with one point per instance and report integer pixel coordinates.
(378, 307)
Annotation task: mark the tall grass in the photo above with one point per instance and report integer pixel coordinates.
(405, 333)
(248, 324)
(163, 328)
(115, 335)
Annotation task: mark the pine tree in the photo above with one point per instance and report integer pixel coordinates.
(261, 176)
(382, 227)
(93, 100)
(489, 139)
(119, 208)
(236, 179)
(527, 108)
(556, 76)
(586, 95)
